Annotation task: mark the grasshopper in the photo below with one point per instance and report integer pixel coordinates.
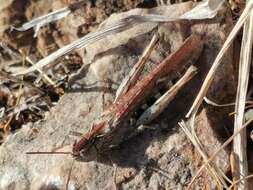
(111, 129)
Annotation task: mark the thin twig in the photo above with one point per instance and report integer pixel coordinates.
(20, 93)
(229, 140)
(215, 172)
(212, 103)
(69, 174)
(246, 107)
(234, 166)
(41, 72)
(115, 169)
(238, 181)
(28, 59)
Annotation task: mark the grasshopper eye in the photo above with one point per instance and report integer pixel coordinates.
(83, 153)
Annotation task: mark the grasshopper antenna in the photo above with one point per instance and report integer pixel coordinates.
(49, 153)
(54, 151)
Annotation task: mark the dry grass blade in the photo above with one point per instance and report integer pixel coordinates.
(37, 23)
(41, 72)
(205, 9)
(153, 111)
(117, 27)
(133, 75)
(120, 26)
(210, 76)
(229, 140)
(212, 103)
(20, 54)
(240, 141)
(214, 171)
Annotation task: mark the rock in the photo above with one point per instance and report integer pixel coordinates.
(156, 159)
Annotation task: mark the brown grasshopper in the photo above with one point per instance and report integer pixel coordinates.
(110, 129)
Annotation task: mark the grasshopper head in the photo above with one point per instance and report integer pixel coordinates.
(83, 149)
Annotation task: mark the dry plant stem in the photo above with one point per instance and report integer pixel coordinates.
(38, 22)
(127, 103)
(133, 76)
(240, 141)
(210, 102)
(233, 186)
(215, 172)
(41, 72)
(7, 125)
(6, 128)
(69, 175)
(115, 169)
(246, 107)
(230, 139)
(210, 76)
(153, 111)
(233, 165)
